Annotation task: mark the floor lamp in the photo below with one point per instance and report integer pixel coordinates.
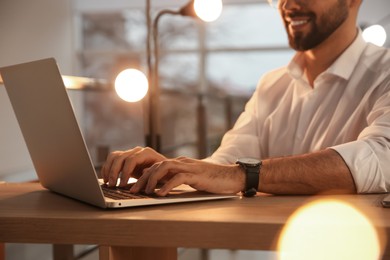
(206, 10)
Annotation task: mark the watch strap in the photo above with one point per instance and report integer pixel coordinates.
(252, 177)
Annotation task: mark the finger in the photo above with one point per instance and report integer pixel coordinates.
(164, 170)
(107, 165)
(142, 158)
(176, 180)
(117, 165)
(129, 164)
(142, 181)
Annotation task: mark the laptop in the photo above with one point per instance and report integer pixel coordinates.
(56, 145)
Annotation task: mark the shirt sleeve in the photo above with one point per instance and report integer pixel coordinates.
(368, 158)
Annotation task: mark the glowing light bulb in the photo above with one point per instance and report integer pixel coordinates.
(329, 229)
(131, 85)
(375, 34)
(208, 10)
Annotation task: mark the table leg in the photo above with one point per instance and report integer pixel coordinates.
(63, 252)
(130, 253)
(2, 251)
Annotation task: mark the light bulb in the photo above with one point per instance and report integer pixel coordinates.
(375, 34)
(131, 85)
(208, 10)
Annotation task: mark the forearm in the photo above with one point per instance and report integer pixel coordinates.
(320, 172)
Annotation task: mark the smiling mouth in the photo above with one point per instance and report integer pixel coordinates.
(298, 22)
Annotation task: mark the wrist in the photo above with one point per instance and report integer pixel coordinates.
(240, 172)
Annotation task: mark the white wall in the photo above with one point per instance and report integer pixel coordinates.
(30, 30)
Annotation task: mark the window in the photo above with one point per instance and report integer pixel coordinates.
(207, 72)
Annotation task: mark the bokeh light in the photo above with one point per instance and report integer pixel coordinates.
(131, 85)
(329, 229)
(375, 34)
(208, 10)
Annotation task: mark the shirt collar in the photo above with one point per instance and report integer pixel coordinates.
(342, 67)
(346, 63)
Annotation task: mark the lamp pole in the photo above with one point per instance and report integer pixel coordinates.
(154, 102)
(153, 138)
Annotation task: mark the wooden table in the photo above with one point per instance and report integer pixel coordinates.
(32, 214)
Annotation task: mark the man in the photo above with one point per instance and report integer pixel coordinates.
(319, 125)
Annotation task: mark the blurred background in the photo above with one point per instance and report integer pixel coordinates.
(207, 70)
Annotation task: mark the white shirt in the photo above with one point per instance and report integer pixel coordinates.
(347, 109)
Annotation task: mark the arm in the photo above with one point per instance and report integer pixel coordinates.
(319, 172)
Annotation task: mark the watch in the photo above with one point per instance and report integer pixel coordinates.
(252, 168)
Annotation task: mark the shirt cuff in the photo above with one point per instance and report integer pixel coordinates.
(363, 165)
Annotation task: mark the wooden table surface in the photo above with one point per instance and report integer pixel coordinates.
(32, 214)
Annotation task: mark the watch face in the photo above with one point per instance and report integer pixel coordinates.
(250, 161)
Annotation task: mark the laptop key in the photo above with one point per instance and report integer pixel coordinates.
(117, 193)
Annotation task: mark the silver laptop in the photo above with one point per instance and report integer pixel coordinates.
(56, 145)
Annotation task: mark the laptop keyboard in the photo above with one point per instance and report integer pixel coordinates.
(118, 193)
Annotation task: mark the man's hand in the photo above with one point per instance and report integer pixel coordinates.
(203, 176)
(130, 163)
(152, 168)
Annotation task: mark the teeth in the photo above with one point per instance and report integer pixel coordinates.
(296, 23)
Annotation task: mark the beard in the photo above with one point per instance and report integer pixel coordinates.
(321, 28)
